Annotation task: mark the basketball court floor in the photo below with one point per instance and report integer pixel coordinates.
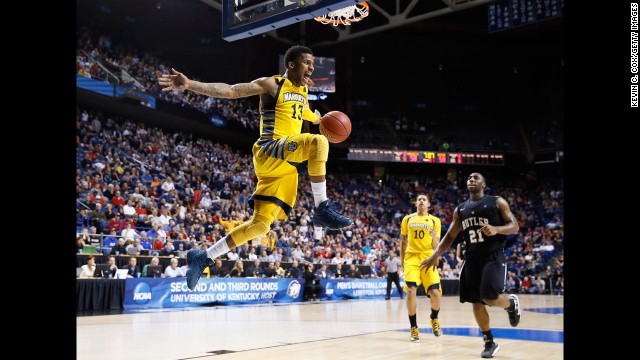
(349, 329)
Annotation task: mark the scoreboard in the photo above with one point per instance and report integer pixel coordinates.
(425, 157)
(509, 14)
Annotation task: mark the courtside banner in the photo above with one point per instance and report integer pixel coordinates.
(336, 289)
(155, 293)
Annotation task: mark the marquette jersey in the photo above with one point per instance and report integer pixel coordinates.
(416, 228)
(473, 216)
(283, 118)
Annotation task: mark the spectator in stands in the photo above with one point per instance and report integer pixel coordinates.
(233, 255)
(110, 241)
(84, 234)
(354, 272)
(373, 271)
(270, 271)
(339, 273)
(276, 255)
(308, 257)
(111, 273)
(252, 254)
(276, 190)
(559, 287)
(324, 272)
(153, 233)
(132, 267)
(119, 249)
(116, 223)
(559, 264)
(255, 270)
(145, 242)
(118, 200)
(99, 219)
(238, 269)
(263, 255)
(294, 271)
(135, 248)
(218, 270)
(168, 249)
(538, 286)
(158, 245)
(312, 286)
(145, 269)
(510, 285)
(129, 209)
(280, 272)
(129, 233)
(297, 253)
(525, 285)
(173, 271)
(168, 185)
(79, 244)
(87, 270)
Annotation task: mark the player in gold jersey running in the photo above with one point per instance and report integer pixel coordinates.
(420, 234)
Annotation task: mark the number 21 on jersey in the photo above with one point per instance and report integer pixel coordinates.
(475, 239)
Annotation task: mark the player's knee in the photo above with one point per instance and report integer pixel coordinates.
(321, 145)
(257, 227)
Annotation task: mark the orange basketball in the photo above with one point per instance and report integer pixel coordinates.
(335, 126)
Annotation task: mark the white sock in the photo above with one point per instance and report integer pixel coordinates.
(217, 249)
(319, 192)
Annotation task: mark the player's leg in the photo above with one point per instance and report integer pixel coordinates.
(470, 285)
(482, 318)
(494, 276)
(431, 282)
(315, 149)
(397, 281)
(264, 213)
(411, 282)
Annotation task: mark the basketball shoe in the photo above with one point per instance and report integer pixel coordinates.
(514, 310)
(490, 349)
(435, 325)
(196, 260)
(415, 335)
(327, 216)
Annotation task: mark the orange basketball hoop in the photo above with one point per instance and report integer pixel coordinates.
(346, 16)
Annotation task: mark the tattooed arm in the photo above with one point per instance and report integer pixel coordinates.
(178, 81)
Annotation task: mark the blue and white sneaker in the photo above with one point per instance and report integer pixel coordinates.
(327, 216)
(514, 310)
(197, 260)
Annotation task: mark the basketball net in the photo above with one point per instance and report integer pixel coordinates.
(346, 16)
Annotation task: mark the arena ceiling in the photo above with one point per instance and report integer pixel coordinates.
(383, 15)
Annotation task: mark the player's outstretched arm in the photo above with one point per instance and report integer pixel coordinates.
(444, 244)
(178, 81)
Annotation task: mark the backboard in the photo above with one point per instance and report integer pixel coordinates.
(246, 18)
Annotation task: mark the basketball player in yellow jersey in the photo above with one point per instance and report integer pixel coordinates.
(277, 154)
(420, 234)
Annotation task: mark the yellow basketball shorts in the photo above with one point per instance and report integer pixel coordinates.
(276, 163)
(412, 272)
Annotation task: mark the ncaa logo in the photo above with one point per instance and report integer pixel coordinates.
(329, 289)
(142, 293)
(293, 290)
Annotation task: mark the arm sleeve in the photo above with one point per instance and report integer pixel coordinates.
(308, 114)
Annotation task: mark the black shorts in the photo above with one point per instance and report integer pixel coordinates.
(483, 277)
